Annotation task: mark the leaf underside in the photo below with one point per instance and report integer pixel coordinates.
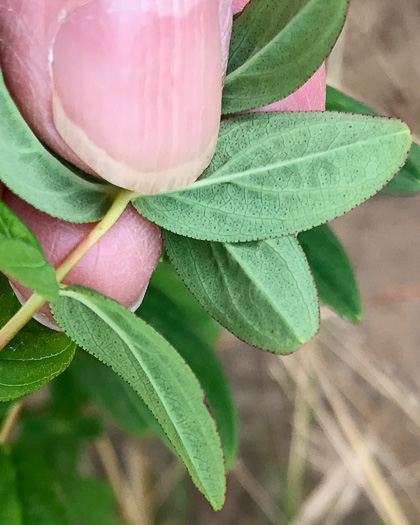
(263, 292)
(157, 373)
(278, 174)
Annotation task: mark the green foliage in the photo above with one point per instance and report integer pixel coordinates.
(277, 174)
(10, 509)
(39, 493)
(230, 237)
(22, 257)
(155, 370)
(332, 271)
(116, 396)
(166, 280)
(49, 449)
(338, 101)
(37, 176)
(34, 356)
(263, 292)
(93, 504)
(165, 314)
(408, 179)
(276, 47)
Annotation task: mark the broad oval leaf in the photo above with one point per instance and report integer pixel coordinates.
(22, 257)
(263, 292)
(332, 271)
(166, 315)
(276, 47)
(35, 356)
(155, 370)
(10, 508)
(278, 174)
(39, 178)
(407, 180)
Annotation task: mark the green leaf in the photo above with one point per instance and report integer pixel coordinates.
(33, 173)
(332, 271)
(263, 292)
(61, 404)
(280, 173)
(276, 47)
(158, 374)
(35, 355)
(338, 101)
(22, 257)
(166, 280)
(10, 509)
(407, 180)
(116, 396)
(60, 440)
(38, 489)
(94, 503)
(164, 313)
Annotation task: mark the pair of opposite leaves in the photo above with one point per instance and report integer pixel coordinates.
(47, 47)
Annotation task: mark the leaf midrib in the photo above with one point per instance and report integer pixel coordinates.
(247, 272)
(212, 180)
(231, 76)
(90, 305)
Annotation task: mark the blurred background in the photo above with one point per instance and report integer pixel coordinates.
(330, 435)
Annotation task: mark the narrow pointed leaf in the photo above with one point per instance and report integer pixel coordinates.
(332, 271)
(10, 507)
(166, 316)
(22, 257)
(263, 292)
(278, 174)
(155, 370)
(39, 178)
(35, 356)
(407, 180)
(276, 47)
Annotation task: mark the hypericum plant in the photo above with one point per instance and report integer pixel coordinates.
(131, 91)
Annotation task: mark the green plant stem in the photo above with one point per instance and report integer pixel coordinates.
(36, 301)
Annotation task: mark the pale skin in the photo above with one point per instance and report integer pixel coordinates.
(29, 309)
